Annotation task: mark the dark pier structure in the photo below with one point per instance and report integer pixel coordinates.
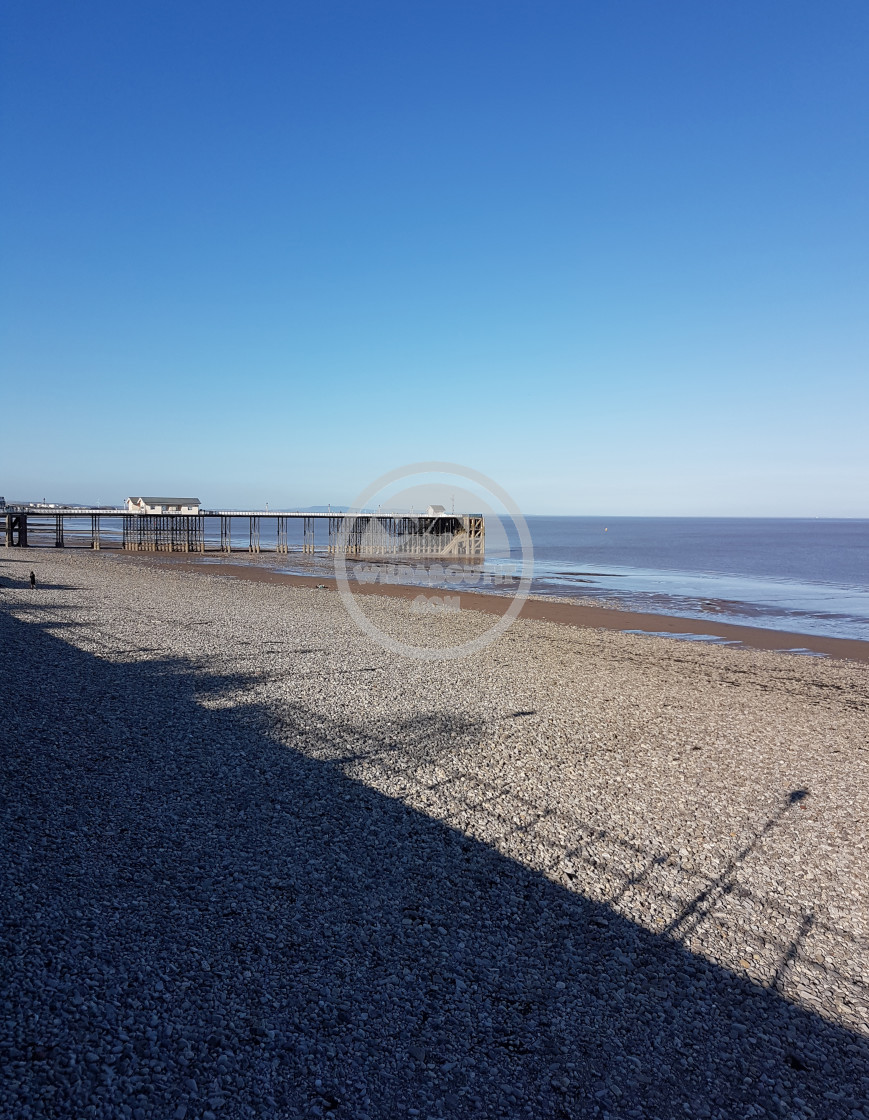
(371, 534)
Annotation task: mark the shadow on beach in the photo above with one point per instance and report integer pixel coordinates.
(201, 920)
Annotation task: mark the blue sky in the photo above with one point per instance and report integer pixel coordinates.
(614, 256)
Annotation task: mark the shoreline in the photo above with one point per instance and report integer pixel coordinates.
(562, 612)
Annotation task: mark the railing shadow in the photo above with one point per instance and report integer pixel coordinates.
(203, 914)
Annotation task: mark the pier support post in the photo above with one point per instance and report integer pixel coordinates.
(308, 530)
(58, 530)
(353, 543)
(254, 534)
(478, 536)
(95, 531)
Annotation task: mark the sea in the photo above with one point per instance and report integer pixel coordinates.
(810, 576)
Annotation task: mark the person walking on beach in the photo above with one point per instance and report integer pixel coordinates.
(33, 581)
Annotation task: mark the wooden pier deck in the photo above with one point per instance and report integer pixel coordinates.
(369, 534)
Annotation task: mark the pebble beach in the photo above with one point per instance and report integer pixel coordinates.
(255, 865)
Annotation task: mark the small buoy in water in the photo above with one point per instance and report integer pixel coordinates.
(606, 530)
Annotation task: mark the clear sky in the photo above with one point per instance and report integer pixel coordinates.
(613, 255)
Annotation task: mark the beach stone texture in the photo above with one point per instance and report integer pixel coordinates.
(255, 866)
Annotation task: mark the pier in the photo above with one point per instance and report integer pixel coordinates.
(368, 534)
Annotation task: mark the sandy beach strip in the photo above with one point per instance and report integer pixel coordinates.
(256, 865)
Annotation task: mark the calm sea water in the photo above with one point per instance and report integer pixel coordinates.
(810, 576)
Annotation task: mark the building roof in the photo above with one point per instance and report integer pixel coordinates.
(166, 501)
